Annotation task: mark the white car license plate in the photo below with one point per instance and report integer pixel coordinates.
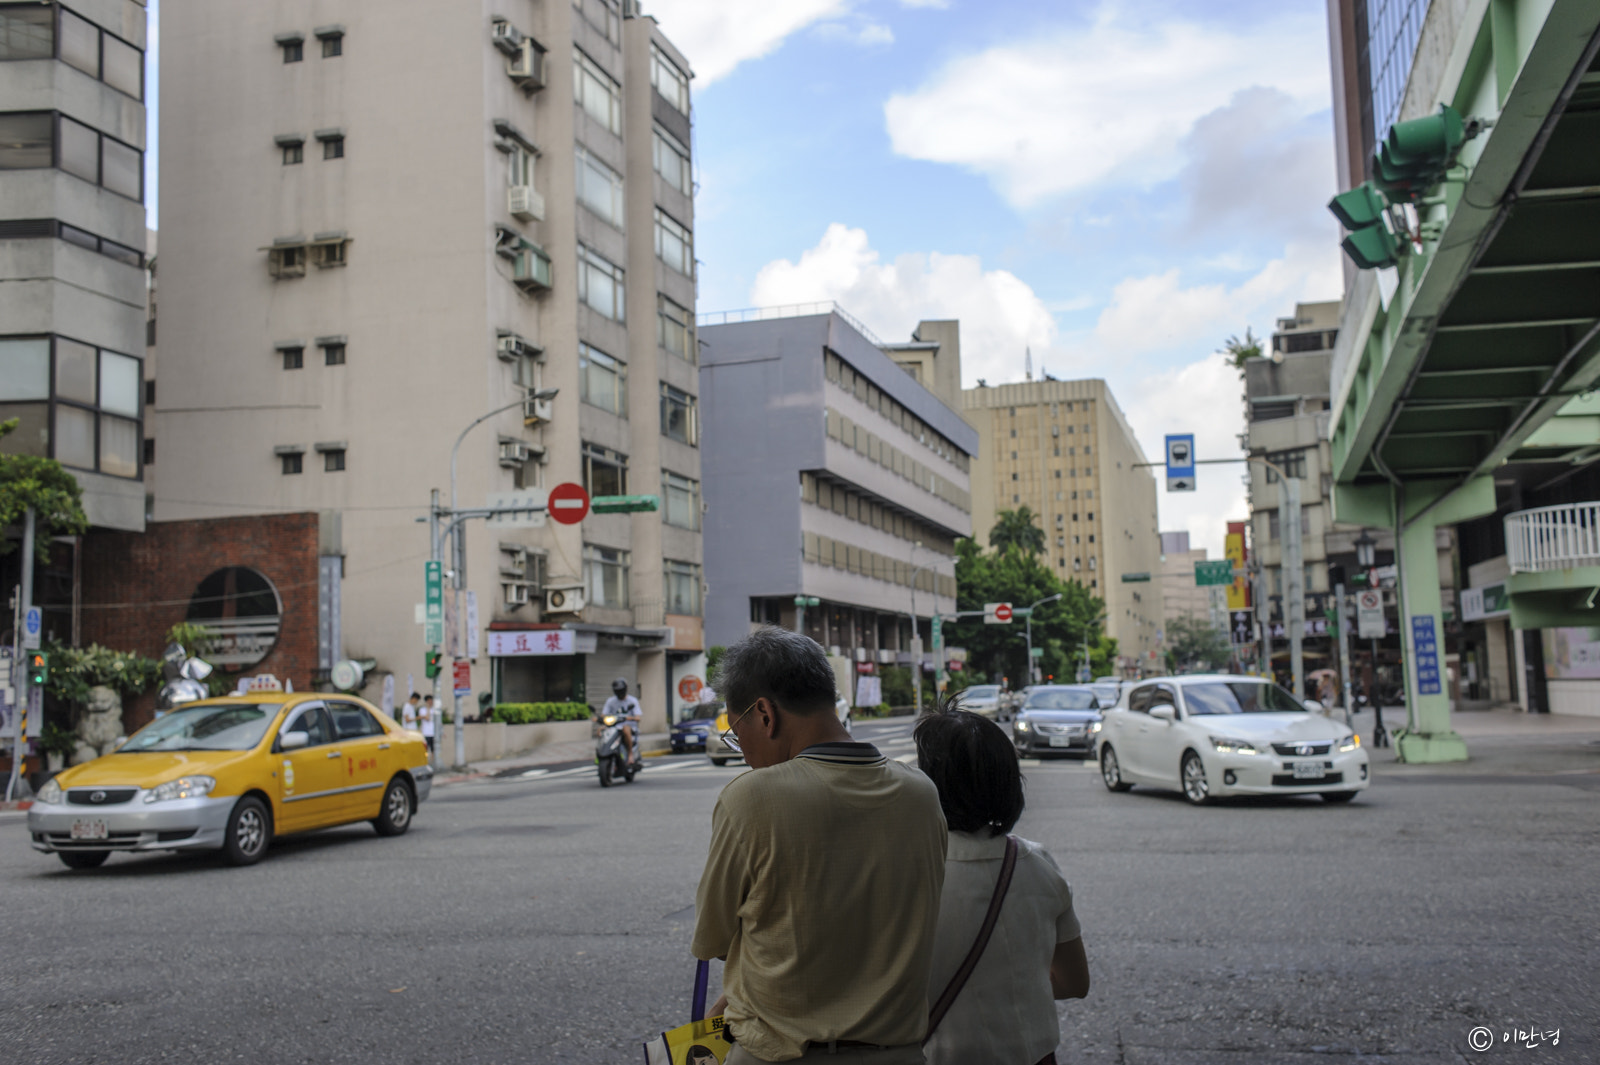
(89, 829)
(1060, 741)
(1309, 771)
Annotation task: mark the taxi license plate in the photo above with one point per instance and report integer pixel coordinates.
(1060, 741)
(89, 829)
(1309, 771)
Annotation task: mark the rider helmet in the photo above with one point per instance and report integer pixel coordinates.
(619, 687)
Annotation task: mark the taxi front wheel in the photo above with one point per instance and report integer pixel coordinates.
(395, 817)
(83, 859)
(249, 831)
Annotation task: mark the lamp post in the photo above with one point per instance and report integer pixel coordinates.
(1028, 632)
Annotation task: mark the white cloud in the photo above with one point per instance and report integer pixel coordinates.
(1109, 100)
(875, 33)
(718, 35)
(939, 4)
(1000, 314)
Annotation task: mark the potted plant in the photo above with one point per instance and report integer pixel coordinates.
(57, 743)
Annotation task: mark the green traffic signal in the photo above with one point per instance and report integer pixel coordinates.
(1371, 244)
(38, 668)
(430, 664)
(1414, 156)
(1360, 207)
(1372, 248)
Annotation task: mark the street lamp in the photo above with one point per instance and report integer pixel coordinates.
(1028, 634)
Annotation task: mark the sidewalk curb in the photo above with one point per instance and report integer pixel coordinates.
(475, 774)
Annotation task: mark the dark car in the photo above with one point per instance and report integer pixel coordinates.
(691, 735)
(1057, 719)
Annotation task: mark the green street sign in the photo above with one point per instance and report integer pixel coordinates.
(433, 602)
(1036, 652)
(1136, 578)
(624, 504)
(1219, 571)
(806, 600)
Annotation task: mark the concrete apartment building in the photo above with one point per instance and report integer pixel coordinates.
(831, 472)
(385, 222)
(1181, 597)
(1064, 450)
(72, 234)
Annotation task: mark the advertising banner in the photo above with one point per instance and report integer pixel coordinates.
(1233, 547)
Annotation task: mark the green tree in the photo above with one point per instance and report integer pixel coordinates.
(41, 483)
(1241, 350)
(1017, 529)
(1194, 645)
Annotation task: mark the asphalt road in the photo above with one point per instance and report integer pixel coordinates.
(545, 920)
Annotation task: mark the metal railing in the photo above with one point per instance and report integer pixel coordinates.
(793, 310)
(1550, 538)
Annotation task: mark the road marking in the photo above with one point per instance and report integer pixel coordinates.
(530, 774)
(1031, 763)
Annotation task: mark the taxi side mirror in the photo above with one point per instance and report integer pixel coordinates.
(1165, 712)
(290, 741)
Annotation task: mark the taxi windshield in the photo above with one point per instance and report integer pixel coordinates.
(214, 727)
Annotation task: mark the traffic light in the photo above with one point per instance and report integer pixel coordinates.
(38, 668)
(1371, 244)
(1414, 156)
(430, 664)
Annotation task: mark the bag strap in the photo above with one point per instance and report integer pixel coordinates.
(697, 1008)
(1008, 865)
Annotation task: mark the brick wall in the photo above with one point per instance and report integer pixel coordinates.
(136, 586)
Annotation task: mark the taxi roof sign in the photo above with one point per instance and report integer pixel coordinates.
(261, 682)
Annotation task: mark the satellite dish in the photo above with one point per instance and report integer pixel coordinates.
(346, 675)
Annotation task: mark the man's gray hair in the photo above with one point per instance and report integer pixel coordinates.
(786, 667)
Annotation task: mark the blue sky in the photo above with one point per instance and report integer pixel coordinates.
(1118, 186)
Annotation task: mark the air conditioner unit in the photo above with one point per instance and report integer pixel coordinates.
(527, 66)
(516, 593)
(536, 411)
(525, 203)
(530, 269)
(631, 9)
(513, 453)
(563, 600)
(507, 38)
(511, 347)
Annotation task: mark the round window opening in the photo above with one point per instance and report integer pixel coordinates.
(242, 611)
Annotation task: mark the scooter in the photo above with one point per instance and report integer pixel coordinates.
(610, 756)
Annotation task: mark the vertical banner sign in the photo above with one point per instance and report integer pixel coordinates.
(1241, 627)
(8, 696)
(1180, 462)
(452, 624)
(388, 694)
(433, 603)
(1233, 548)
(472, 625)
(1369, 614)
(330, 568)
(1426, 651)
(462, 675)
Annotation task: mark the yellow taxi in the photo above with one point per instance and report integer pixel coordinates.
(232, 773)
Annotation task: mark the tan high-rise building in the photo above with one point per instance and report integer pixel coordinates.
(1064, 450)
(383, 222)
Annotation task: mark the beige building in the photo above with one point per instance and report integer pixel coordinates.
(383, 229)
(1180, 595)
(1064, 450)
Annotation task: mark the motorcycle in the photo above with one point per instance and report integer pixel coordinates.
(610, 756)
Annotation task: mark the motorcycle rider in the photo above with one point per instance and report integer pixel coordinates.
(626, 707)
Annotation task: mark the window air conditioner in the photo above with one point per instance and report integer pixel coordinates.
(525, 203)
(527, 66)
(513, 453)
(563, 600)
(530, 269)
(536, 411)
(516, 594)
(507, 38)
(514, 564)
(511, 347)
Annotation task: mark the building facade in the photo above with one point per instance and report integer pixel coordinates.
(1064, 450)
(832, 473)
(471, 271)
(1181, 596)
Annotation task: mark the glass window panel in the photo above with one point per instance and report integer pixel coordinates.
(597, 92)
(24, 369)
(80, 43)
(27, 33)
(599, 188)
(119, 383)
(123, 166)
(124, 67)
(74, 436)
(75, 371)
(669, 81)
(80, 150)
(672, 161)
(32, 434)
(26, 140)
(119, 446)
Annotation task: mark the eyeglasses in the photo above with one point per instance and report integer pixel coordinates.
(727, 734)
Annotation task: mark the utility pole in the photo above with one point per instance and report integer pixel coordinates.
(1294, 579)
(433, 540)
(1344, 648)
(24, 690)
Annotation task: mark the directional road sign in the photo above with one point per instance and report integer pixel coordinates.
(997, 613)
(433, 603)
(569, 503)
(32, 628)
(1216, 571)
(1241, 630)
(524, 509)
(1180, 462)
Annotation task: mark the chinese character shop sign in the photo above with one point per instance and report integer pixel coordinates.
(536, 642)
(1425, 648)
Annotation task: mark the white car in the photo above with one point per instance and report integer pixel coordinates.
(1209, 736)
(982, 699)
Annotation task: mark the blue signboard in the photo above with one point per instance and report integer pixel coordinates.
(1180, 462)
(1425, 649)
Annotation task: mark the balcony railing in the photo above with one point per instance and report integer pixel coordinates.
(1552, 538)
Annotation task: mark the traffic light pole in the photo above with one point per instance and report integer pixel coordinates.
(23, 692)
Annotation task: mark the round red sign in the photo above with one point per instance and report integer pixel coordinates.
(689, 689)
(1002, 612)
(568, 503)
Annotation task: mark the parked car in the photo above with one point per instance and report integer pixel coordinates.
(691, 734)
(1107, 692)
(1057, 719)
(232, 774)
(1209, 736)
(982, 699)
(721, 754)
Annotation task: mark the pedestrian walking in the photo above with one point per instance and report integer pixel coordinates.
(426, 719)
(821, 889)
(1008, 943)
(409, 710)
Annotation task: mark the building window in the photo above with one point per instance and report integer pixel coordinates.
(149, 451)
(602, 380)
(680, 500)
(1291, 462)
(600, 284)
(332, 351)
(675, 328)
(332, 143)
(606, 570)
(292, 462)
(332, 38)
(597, 92)
(294, 153)
(672, 161)
(599, 187)
(27, 32)
(333, 460)
(293, 358)
(674, 246)
(603, 16)
(605, 472)
(683, 587)
(75, 403)
(330, 250)
(519, 165)
(38, 140)
(671, 82)
(678, 415)
(287, 260)
(293, 52)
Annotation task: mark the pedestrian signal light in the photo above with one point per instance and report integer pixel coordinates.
(430, 664)
(38, 668)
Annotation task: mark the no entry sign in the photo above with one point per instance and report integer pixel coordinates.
(997, 613)
(568, 503)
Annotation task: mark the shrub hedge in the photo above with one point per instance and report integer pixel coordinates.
(538, 713)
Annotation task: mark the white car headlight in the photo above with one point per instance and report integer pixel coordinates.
(50, 794)
(1228, 745)
(1022, 724)
(183, 788)
(1096, 726)
(1349, 743)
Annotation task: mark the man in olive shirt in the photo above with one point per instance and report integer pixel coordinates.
(821, 890)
